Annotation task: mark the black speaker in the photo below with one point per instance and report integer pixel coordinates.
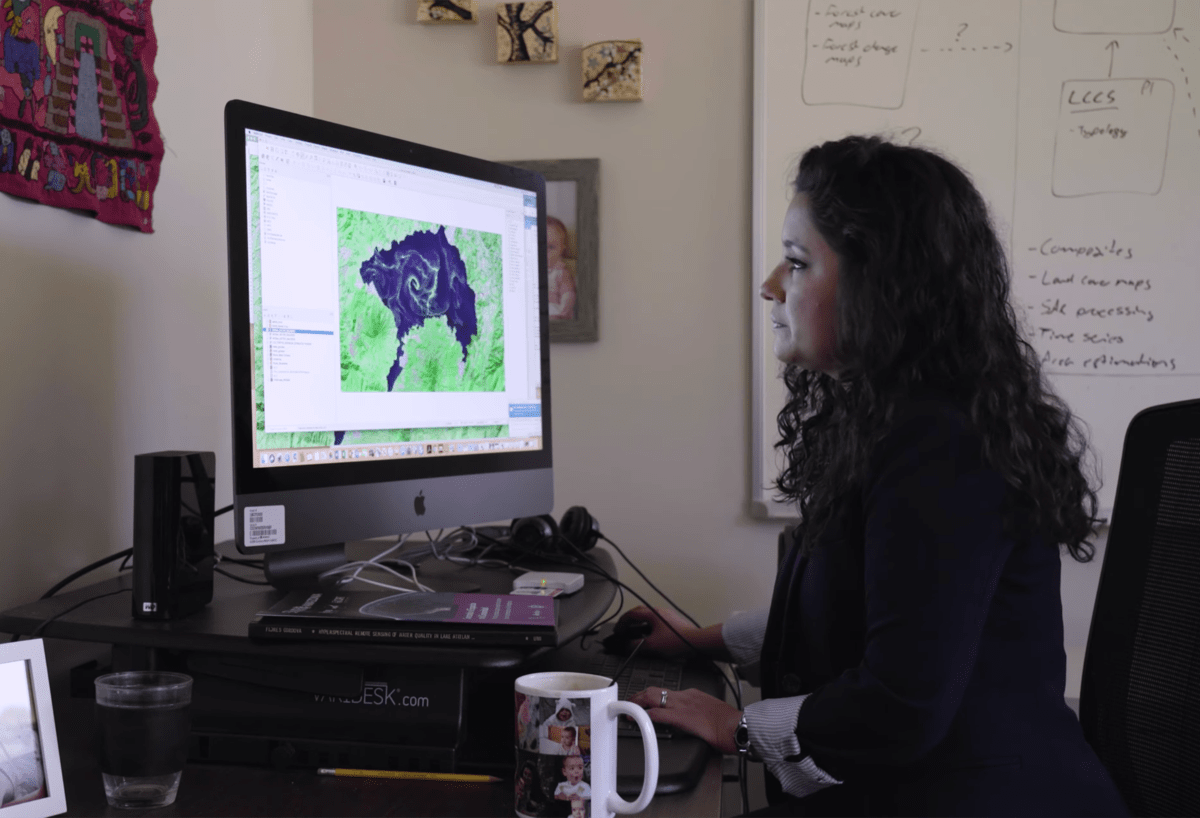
(172, 533)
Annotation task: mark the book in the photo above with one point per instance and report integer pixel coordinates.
(412, 619)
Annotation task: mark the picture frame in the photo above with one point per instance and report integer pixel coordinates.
(573, 200)
(28, 735)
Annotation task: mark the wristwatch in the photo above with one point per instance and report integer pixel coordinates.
(741, 740)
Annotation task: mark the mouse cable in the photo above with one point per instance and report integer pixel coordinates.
(595, 629)
(737, 693)
(681, 611)
(586, 563)
(455, 547)
(472, 538)
(590, 566)
(597, 569)
(617, 673)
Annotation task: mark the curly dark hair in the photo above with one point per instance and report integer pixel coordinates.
(923, 303)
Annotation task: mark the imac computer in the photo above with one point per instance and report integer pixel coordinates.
(388, 339)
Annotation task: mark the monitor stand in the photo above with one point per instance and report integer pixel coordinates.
(298, 570)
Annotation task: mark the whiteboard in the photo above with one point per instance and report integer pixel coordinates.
(1078, 121)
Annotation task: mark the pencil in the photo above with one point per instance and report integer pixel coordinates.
(345, 773)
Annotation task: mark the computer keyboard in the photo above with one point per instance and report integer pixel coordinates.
(641, 672)
(682, 758)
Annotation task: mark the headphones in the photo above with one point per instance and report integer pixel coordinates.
(542, 534)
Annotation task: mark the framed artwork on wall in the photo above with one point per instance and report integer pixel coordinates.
(526, 33)
(612, 71)
(447, 11)
(77, 94)
(572, 244)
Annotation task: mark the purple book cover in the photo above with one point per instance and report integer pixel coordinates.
(468, 609)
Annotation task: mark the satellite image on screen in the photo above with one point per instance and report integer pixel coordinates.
(420, 306)
(483, 278)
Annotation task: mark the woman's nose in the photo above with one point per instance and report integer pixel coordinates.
(771, 289)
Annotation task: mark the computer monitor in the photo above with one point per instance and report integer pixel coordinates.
(388, 339)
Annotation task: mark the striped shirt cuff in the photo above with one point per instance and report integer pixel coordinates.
(772, 727)
(743, 634)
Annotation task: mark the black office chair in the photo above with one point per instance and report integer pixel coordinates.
(1139, 701)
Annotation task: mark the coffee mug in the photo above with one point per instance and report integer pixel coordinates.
(566, 735)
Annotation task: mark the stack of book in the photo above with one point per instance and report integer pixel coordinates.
(411, 618)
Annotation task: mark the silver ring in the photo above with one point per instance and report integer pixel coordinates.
(662, 702)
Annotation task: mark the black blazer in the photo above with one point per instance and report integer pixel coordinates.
(931, 645)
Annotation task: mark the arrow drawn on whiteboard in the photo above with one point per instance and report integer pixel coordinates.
(1005, 47)
(1112, 47)
(1187, 83)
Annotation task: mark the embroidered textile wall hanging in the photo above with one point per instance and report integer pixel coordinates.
(76, 125)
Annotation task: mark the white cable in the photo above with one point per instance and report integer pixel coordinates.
(358, 565)
(385, 585)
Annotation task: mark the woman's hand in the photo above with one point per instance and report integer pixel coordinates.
(692, 711)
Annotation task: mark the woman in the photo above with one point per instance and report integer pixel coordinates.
(912, 657)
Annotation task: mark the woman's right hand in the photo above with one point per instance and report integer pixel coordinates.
(661, 639)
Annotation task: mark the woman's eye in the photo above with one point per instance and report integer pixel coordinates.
(795, 265)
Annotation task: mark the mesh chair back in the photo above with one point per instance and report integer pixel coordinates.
(1139, 701)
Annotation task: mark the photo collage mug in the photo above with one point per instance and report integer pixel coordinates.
(566, 745)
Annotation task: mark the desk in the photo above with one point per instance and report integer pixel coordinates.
(305, 704)
(222, 789)
(104, 627)
(221, 627)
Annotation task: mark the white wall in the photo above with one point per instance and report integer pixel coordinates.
(651, 422)
(116, 342)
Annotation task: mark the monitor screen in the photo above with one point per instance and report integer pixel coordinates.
(388, 334)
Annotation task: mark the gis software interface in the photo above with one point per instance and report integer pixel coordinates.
(394, 309)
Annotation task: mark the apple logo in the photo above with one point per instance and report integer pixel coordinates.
(419, 503)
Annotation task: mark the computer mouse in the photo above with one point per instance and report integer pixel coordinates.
(625, 633)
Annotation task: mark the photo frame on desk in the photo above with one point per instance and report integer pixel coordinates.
(31, 782)
(572, 244)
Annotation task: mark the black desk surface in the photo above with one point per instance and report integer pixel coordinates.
(221, 626)
(226, 789)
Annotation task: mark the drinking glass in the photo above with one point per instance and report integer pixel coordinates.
(143, 721)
